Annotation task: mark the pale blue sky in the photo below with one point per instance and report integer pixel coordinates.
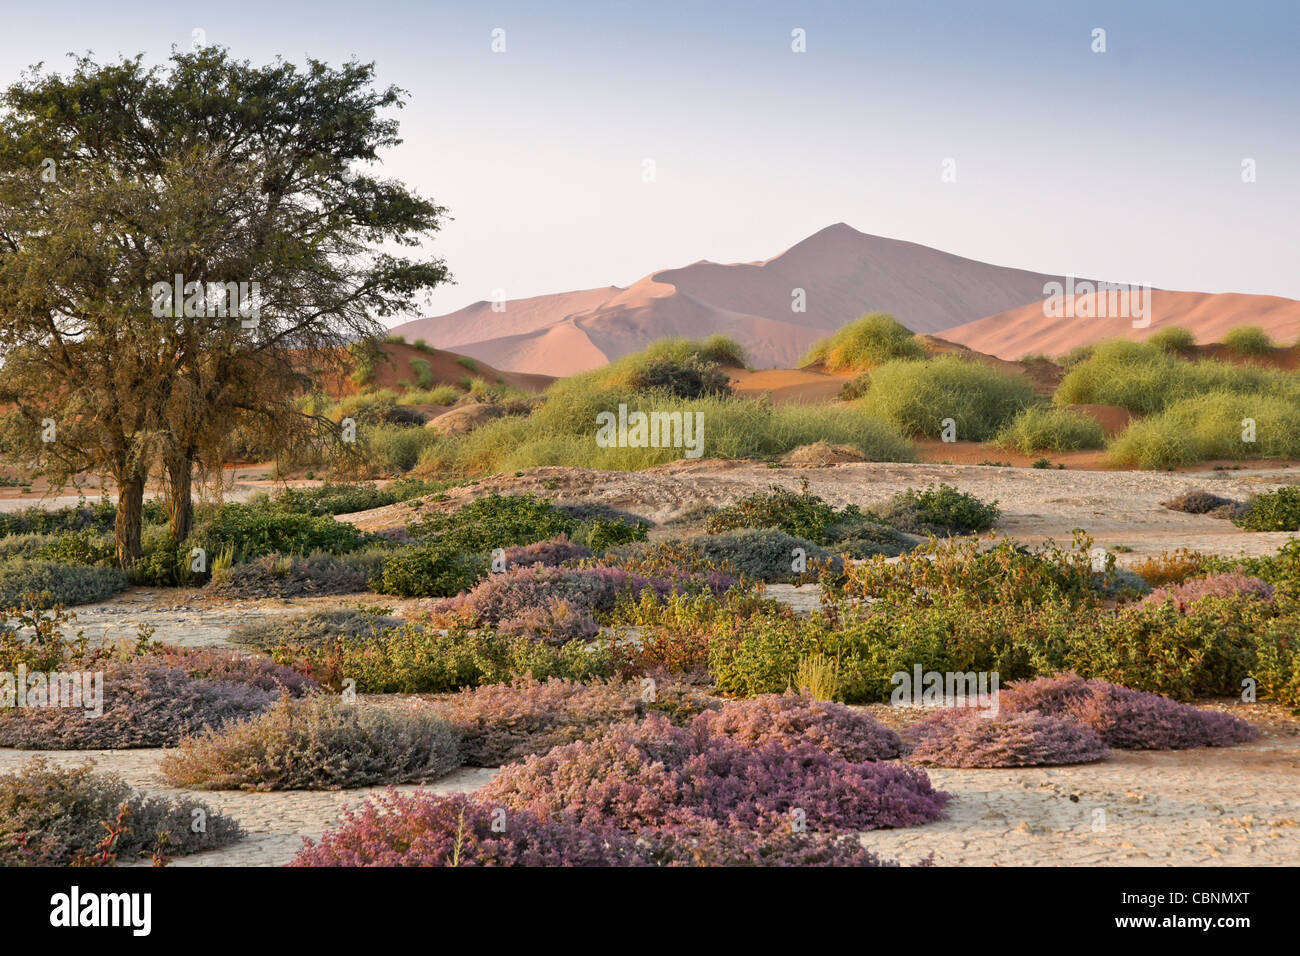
(1125, 164)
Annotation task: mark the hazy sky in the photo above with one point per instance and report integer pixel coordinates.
(1125, 164)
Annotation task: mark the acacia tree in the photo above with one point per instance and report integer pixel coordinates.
(115, 179)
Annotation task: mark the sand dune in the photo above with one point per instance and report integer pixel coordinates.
(843, 274)
(1024, 330)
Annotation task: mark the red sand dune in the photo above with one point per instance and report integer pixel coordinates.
(1025, 330)
(844, 274)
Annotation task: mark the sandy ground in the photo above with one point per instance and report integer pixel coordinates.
(1238, 805)
(1230, 806)
(1115, 507)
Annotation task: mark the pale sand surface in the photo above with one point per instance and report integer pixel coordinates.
(1231, 806)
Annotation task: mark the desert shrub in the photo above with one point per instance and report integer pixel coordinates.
(253, 530)
(88, 546)
(1126, 719)
(314, 627)
(1173, 338)
(1146, 379)
(1171, 567)
(559, 604)
(277, 575)
(791, 720)
(865, 343)
(316, 743)
(334, 499)
(1051, 429)
(51, 816)
(762, 554)
(1208, 426)
(916, 397)
(1272, 511)
(803, 515)
(25, 545)
(495, 521)
(53, 583)
(654, 774)
(423, 372)
(553, 553)
(1282, 570)
(690, 379)
(966, 737)
(150, 701)
(391, 449)
(417, 660)
(503, 723)
(1198, 501)
(100, 516)
(1189, 592)
(429, 570)
(432, 395)
(1277, 662)
(1248, 340)
(941, 510)
(424, 829)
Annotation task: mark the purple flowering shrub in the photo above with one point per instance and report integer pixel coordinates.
(316, 743)
(571, 600)
(501, 723)
(146, 704)
(652, 773)
(551, 553)
(424, 829)
(1187, 593)
(794, 719)
(964, 737)
(1126, 719)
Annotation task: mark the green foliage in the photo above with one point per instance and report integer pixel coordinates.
(495, 521)
(916, 397)
(417, 660)
(1173, 338)
(1051, 429)
(423, 372)
(1273, 511)
(50, 583)
(1210, 426)
(1146, 379)
(1248, 340)
(863, 344)
(437, 395)
(942, 509)
(252, 530)
(429, 570)
(803, 515)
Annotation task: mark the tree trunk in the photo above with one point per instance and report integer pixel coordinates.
(130, 503)
(180, 504)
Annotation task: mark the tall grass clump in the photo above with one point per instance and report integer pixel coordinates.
(915, 397)
(1210, 426)
(1248, 340)
(1146, 379)
(1051, 429)
(1173, 338)
(872, 340)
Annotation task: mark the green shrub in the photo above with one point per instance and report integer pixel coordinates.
(495, 521)
(763, 554)
(437, 395)
(283, 576)
(1146, 379)
(1051, 429)
(872, 340)
(429, 570)
(1272, 511)
(416, 660)
(252, 530)
(1173, 338)
(916, 397)
(690, 379)
(1248, 340)
(803, 515)
(423, 372)
(51, 583)
(942, 510)
(1210, 426)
